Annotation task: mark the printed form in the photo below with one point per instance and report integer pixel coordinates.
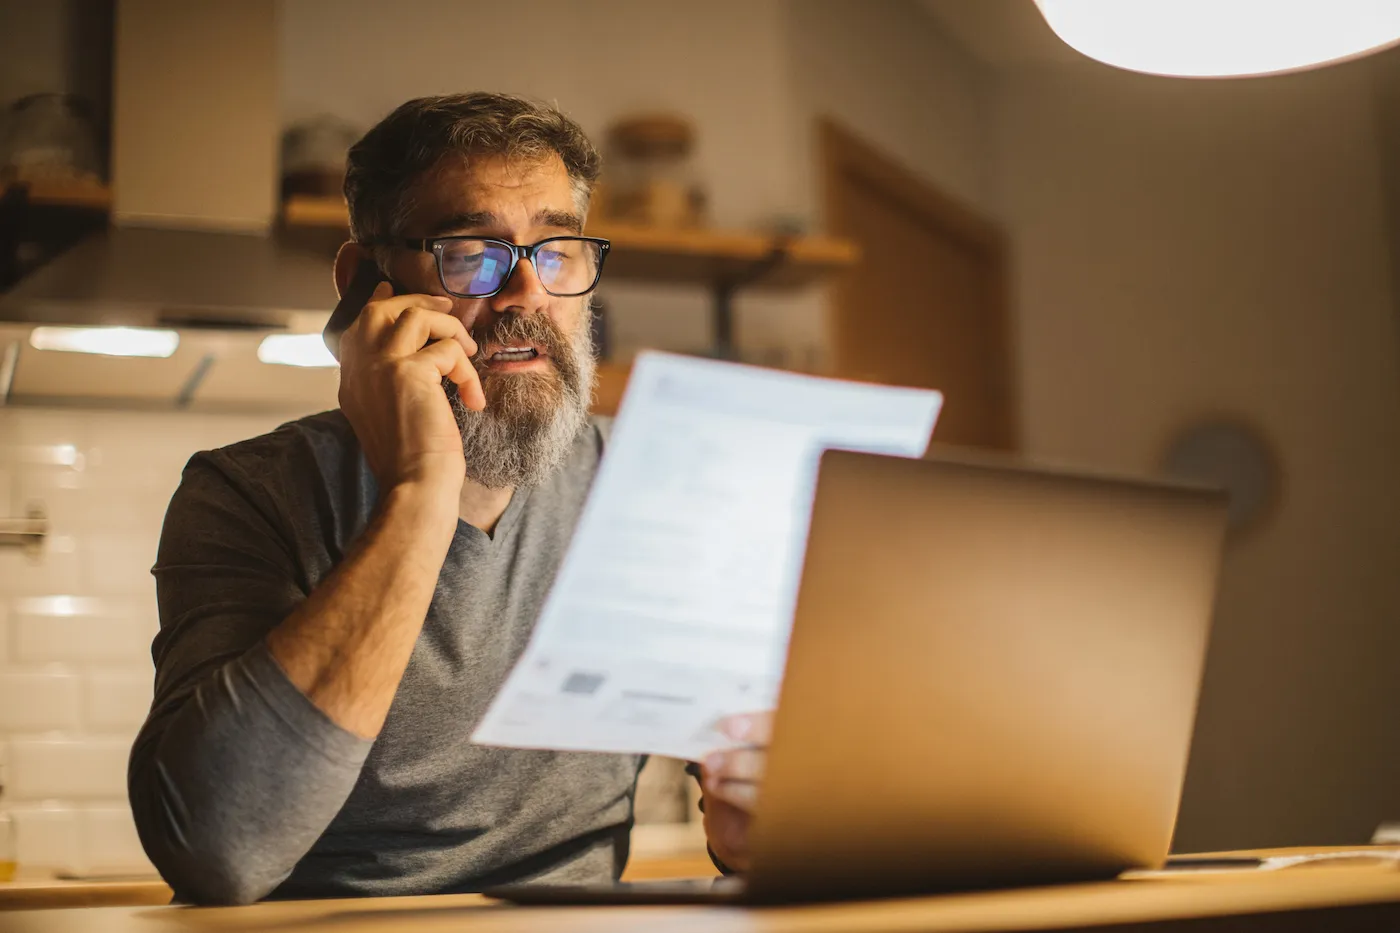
(673, 605)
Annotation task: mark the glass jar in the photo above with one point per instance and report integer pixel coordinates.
(650, 175)
(49, 136)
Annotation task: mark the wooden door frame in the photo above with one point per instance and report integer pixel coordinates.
(842, 152)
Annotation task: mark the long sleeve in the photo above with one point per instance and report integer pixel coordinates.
(235, 774)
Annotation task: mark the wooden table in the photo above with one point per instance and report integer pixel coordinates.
(45, 891)
(1337, 898)
(658, 851)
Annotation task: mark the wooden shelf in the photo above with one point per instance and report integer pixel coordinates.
(89, 195)
(694, 257)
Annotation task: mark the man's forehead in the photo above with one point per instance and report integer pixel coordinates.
(493, 188)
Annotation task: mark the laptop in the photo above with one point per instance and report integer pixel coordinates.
(991, 681)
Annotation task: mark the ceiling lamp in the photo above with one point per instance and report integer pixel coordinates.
(307, 350)
(107, 341)
(1223, 38)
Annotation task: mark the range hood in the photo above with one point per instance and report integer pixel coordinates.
(146, 276)
(192, 244)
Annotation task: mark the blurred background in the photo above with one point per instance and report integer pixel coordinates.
(1098, 268)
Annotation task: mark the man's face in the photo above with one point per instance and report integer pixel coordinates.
(534, 404)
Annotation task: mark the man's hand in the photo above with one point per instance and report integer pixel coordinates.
(730, 781)
(391, 389)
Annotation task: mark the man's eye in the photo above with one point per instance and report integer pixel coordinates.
(463, 262)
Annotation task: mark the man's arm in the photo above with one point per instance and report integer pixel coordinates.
(267, 696)
(240, 768)
(347, 647)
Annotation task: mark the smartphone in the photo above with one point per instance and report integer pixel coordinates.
(362, 285)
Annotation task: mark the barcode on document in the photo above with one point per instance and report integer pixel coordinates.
(582, 682)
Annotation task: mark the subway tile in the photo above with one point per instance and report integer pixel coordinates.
(75, 505)
(39, 701)
(108, 841)
(68, 769)
(120, 563)
(81, 629)
(136, 450)
(61, 456)
(46, 836)
(117, 699)
(55, 569)
(23, 427)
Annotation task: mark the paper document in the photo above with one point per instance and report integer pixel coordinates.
(673, 605)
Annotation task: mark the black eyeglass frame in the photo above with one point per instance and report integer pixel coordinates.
(435, 245)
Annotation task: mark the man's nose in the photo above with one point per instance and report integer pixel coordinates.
(524, 292)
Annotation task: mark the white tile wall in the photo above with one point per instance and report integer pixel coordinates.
(113, 632)
(47, 835)
(76, 623)
(90, 767)
(117, 699)
(39, 701)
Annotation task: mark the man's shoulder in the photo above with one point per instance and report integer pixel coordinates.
(292, 462)
(325, 437)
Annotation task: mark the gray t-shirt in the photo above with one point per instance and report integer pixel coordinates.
(243, 789)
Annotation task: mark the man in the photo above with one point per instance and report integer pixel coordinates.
(341, 599)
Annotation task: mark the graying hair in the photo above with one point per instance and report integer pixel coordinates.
(383, 167)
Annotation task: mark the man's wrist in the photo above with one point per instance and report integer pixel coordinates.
(427, 510)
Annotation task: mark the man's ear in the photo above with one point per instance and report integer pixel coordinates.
(347, 260)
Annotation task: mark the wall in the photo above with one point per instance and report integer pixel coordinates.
(76, 625)
(1186, 248)
(885, 72)
(721, 63)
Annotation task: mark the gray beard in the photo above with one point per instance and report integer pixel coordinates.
(530, 421)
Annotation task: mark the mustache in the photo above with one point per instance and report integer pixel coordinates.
(511, 328)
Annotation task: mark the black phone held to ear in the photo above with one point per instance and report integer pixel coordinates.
(366, 279)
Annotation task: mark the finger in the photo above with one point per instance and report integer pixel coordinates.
(381, 313)
(727, 830)
(448, 358)
(454, 363)
(416, 326)
(741, 794)
(736, 764)
(749, 728)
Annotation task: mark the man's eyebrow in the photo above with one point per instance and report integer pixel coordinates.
(458, 222)
(476, 220)
(565, 220)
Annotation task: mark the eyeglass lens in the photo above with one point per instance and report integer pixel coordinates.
(476, 268)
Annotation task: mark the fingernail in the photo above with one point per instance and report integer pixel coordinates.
(737, 727)
(714, 762)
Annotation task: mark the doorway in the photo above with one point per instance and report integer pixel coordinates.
(926, 305)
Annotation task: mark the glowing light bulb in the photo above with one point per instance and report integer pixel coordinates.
(1223, 38)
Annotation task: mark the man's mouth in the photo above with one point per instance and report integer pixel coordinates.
(513, 355)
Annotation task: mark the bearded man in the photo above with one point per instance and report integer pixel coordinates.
(341, 599)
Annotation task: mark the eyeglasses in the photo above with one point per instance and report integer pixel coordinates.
(480, 267)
